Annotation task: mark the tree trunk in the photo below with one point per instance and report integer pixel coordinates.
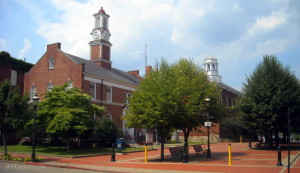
(186, 133)
(250, 142)
(68, 144)
(4, 141)
(277, 139)
(162, 149)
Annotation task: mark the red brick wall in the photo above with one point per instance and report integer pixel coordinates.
(5, 72)
(202, 131)
(64, 71)
(105, 54)
(115, 109)
(95, 52)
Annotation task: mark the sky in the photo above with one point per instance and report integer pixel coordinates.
(237, 32)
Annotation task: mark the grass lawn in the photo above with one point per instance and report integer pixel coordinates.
(61, 151)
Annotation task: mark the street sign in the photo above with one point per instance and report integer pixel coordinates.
(207, 124)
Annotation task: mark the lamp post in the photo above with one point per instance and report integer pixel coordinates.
(208, 125)
(35, 100)
(288, 140)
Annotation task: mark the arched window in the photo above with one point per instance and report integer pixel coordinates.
(33, 92)
(70, 84)
(50, 86)
(51, 63)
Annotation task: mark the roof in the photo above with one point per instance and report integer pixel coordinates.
(16, 64)
(92, 68)
(101, 11)
(230, 89)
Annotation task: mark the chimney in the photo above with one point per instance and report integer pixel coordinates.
(148, 69)
(53, 46)
(134, 73)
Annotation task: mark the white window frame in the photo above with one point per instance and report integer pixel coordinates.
(94, 94)
(33, 91)
(108, 97)
(51, 63)
(13, 77)
(50, 86)
(70, 84)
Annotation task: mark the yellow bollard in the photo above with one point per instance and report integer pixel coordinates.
(229, 155)
(146, 154)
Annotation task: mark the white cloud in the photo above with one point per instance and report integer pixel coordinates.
(267, 23)
(25, 49)
(231, 31)
(3, 45)
(127, 22)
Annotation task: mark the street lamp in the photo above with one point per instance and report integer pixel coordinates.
(208, 125)
(288, 142)
(35, 100)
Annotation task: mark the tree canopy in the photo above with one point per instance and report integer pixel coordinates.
(269, 93)
(14, 110)
(67, 112)
(172, 97)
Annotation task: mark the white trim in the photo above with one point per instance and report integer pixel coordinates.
(109, 84)
(107, 103)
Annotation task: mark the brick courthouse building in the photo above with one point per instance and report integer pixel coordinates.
(108, 86)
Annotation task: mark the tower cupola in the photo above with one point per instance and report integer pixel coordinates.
(100, 45)
(211, 68)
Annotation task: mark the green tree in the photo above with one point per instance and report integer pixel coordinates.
(172, 97)
(269, 94)
(190, 89)
(67, 113)
(107, 132)
(14, 110)
(151, 105)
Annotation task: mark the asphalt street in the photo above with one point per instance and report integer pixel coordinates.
(21, 168)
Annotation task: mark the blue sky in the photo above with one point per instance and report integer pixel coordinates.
(237, 32)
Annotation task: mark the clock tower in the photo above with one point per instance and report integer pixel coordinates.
(100, 45)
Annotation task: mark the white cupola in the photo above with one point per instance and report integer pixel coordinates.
(100, 45)
(101, 31)
(211, 68)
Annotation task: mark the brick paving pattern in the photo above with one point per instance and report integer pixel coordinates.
(244, 160)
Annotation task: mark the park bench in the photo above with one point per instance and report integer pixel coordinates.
(198, 149)
(176, 152)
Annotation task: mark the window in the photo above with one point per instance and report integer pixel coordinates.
(13, 77)
(104, 22)
(50, 86)
(33, 92)
(92, 90)
(97, 22)
(51, 63)
(127, 98)
(108, 91)
(109, 116)
(70, 85)
(208, 67)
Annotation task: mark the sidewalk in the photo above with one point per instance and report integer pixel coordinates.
(244, 160)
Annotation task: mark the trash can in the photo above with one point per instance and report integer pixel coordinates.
(120, 143)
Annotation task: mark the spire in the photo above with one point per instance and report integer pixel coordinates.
(101, 11)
